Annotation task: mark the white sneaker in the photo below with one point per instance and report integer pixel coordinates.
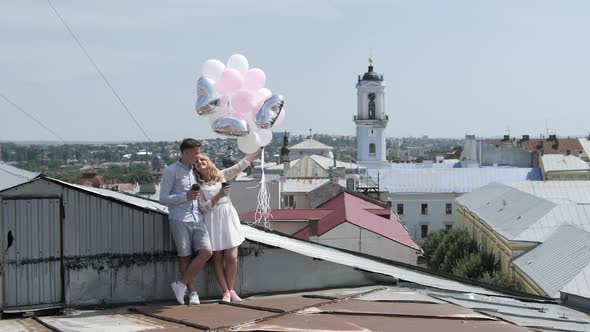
(193, 298)
(179, 290)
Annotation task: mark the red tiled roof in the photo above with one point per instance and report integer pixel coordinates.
(346, 208)
(561, 146)
(291, 214)
(358, 211)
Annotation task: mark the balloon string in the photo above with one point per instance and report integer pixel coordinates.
(263, 210)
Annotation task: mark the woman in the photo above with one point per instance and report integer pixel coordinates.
(221, 219)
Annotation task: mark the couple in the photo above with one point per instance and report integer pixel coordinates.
(202, 219)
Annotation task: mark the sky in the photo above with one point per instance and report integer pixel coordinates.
(487, 68)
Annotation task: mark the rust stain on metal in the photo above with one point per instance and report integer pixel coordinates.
(425, 310)
(204, 316)
(300, 323)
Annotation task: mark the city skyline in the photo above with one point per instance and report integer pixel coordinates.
(485, 68)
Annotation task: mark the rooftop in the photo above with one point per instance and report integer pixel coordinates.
(449, 180)
(530, 211)
(407, 307)
(558, 162)
(11, 176)
(557, 262)
(310, 144)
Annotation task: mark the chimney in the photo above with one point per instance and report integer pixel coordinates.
(552, 137)
(525, 138)
(313, 229)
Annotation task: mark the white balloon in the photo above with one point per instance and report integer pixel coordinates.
(239, 63)
(262, 95)
(212, 69)
(250, 143)
(265, 136)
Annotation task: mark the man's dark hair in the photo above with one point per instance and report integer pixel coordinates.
(189, 143)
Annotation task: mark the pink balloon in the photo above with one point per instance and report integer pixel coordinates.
(243, 102)
(281, 117)
(230, 81)
(254, 79)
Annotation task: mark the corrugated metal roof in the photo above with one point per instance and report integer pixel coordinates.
(544, 316)
(126, 198)
(339, 257)
(449, 180)
(558, 260)
(530, 211)
(310, 144)
(11, 176)
(577, 192)
(558, 162)
(580, 284)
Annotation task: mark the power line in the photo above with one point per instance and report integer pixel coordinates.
(32, 117)
(99, 71)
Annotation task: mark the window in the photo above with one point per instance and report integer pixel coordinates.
(371, 106)
(372, 148)
(449, 208)
(288, 201)
(424, 209)
(423, 230)
(448, 227)
(400, 209)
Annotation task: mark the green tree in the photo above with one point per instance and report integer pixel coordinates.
(454, 251)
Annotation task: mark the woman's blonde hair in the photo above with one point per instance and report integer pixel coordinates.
(214, 173)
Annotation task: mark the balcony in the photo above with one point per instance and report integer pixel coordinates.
(377, 123)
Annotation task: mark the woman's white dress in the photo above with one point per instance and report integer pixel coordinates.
(222, 220)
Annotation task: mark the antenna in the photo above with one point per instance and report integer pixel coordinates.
(547, 127)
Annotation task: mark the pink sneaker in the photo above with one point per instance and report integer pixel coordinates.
(226, 297)
(234, 296)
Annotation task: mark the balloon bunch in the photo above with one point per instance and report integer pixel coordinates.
(236, 102)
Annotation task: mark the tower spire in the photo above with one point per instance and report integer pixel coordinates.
(371, 57)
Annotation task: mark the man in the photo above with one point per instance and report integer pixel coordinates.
(186, 221)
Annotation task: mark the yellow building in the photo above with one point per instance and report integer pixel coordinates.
(514, 220)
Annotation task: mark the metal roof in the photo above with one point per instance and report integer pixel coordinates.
(558, 162)
(310, 144)
(577, 192)
(339, 257)
(449, 180)
(557, 261)
(11, 176)
(139, 202)
(530, 211)
(538, 315)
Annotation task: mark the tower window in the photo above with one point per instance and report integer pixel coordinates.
(371, 106)
(372, 148)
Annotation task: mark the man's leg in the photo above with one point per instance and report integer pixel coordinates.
(196, 265)
(202, 244)
(184, 262)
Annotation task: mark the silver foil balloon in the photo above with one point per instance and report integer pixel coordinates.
(207, 98)
(269, 112)
(231, 126)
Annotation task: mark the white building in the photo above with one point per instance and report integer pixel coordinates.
(424, 197)
(371, 119)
